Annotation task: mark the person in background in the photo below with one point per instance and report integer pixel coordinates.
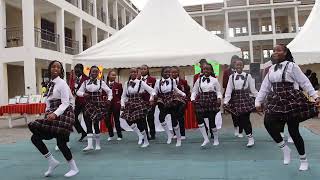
(150, 81)
(75, 84)
(184, 87)
(314, 80)
(58, 121)
(115, 106)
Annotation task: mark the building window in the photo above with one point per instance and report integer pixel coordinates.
(267, 53)
(245, 55)
(244, 30)
(231, 32)
(238, 30)
(68, 37)
(47, 30)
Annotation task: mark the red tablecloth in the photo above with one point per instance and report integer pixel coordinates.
(37, 108)
(189, 123)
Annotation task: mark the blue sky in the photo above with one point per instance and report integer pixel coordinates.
(140, 3)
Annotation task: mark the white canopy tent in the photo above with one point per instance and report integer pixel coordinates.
(162, 34)
(306, 47)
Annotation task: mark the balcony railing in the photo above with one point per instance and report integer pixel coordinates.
(215, 6)
(282, 1)
(14, 37)
(71, 46)
(46, 39)
(255, 2)
(193, 8)
(306, 2)
(233, 3)
(86, 45)
(87, 6)
(101, 15)
(73, 2)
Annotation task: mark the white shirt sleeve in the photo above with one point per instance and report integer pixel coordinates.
(107, 90)
(124, 97)
(149, 89)
(65, 99)
(81, 90)
(175, 87)
(218, 89)
(252, 86)
(195, 90)
(303, 81)
(156, 88)
(228, 90)
(264, 90)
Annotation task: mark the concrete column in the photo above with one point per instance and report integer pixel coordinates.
(296, 18)
(94, 8)
(3, 24)
(28, 23)
(3, 84)
(123, 16)
(94, 35)
(273, 21)
(260, 25)
(80, 4)
(289, 24)
(130, 17)
(249, 23)
(60, 29)
(203, 19)
(105, 8)
(30, 76)
(79, 33)
(115, 13)
(65, 70)
(226, 18)
(251, 50)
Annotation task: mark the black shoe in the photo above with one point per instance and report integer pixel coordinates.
(82, 137)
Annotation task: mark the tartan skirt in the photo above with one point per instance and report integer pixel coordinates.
(240, 102)
(284, 99)
(170, 99)
(207, 102)
(95, 108)
(61, 126)
(135, 108)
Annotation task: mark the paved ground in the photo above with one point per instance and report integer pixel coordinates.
(125, 160)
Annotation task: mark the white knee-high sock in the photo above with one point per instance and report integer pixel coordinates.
(167, 130)
(204, 134)
(52, 162)
(286, 152)
(136, 130)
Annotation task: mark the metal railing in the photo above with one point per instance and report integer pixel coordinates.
(254, 2)
(101, 15)
(87, 6)
(233, 3)
(71, 46)
(86, 45)
(14, 37)
(46, 39)
(73, 2)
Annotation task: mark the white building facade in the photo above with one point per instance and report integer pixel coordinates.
(255, 26)
(35, 32)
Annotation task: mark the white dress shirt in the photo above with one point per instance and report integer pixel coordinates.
(167, 88)
(293, 74)
(133, 90)
(238, 85)
(94, 88)
(61, 91)
(212, 86)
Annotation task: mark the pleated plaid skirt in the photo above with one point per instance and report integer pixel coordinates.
(95, 107)
(136, 108)
(206, 102)
(284, 99)
(170, 99)
(241, 102)
(61, 126)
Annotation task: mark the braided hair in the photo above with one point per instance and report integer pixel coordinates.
(49, 69)
(289, 56)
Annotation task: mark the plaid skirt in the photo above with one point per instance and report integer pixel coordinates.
(170, 99)
(284, 99)
(207, 102)
(135, 109)
(240, 102)
(95, 108)
(62, 126)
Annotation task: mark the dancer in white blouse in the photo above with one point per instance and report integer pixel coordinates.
(285, 102)
(171, 100)
(58, 120)
(206, 96)
(135, 109)
(95, 108)
(239, 98)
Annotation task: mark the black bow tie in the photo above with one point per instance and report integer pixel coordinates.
(78, 80)
(111, 85)
(93, 82)
(165, 81)
(206, 79)
(144, 78)
(239, 77)
(278, 67)
(132, 84)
